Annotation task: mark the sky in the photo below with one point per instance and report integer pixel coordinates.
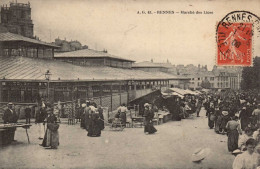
(117, 27)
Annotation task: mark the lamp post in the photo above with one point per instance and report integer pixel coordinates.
(47, 77)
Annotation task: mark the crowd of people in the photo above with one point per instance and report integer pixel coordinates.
(234, 114)
(181, 108)
(91, 118)
(44, 115)
(237, 115)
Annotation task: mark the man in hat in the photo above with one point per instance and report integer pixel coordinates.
(10, 117)
(10, 114)
(28, 114)
(123, 110)
(40, 116)
(87, 111)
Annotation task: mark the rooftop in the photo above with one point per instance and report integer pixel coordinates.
(88, 53)
(147, 64)
(11, 37)
(23, 68)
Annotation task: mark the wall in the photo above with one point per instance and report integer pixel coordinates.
(117, 63)
(83, 61)
(30, 52)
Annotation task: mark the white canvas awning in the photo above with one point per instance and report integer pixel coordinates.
(191, 92)
(179, 91)
(172, 94)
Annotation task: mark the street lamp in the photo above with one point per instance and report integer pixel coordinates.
(47, 77)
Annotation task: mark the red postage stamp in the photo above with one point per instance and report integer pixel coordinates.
(234, 42)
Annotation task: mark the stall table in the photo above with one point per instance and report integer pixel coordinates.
(164, 116)
(139, 120)
(7, 132)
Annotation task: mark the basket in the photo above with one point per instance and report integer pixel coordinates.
(53, 126)
(212, 117)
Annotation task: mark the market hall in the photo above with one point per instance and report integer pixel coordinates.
(31, 71)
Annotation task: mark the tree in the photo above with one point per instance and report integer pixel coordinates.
(251, 76)
(205, 84)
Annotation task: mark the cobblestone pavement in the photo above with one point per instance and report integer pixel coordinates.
(171, 147)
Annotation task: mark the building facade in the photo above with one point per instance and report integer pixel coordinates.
(217, 80)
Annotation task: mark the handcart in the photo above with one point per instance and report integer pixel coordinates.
(117, 125)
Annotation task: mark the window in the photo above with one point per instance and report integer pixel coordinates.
(23, 14)
(198, 78)
(211, 78)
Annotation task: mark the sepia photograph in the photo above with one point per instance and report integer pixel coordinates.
(130, 84)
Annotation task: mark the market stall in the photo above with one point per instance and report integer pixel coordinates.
(7, 132)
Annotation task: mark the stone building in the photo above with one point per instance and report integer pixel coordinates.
(219, 78)
(17, 19)
(67, 46)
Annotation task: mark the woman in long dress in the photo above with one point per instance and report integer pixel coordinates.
(94, 127)
(148, 117)
(51, 137)
(244, 118)
(101, 118)
(233, 131)
(211, 113)
(218, 119)
(224, 121)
